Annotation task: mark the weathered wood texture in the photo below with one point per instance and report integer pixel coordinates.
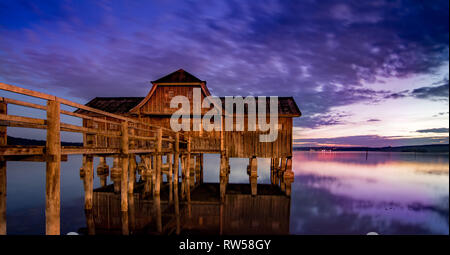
(52, 179)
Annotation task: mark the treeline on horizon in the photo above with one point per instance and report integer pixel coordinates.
(24, 141)
(412, 148)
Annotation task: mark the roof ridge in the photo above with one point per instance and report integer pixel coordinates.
(180, 75)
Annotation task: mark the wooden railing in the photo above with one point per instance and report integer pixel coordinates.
(102, 131)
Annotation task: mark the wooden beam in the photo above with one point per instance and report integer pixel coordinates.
(31, 158)
(21, 150)
(53, 149)
(26, 104)
(27, 120)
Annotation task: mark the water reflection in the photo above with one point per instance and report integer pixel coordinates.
(389, 193)
(333, 193)
(240, 213)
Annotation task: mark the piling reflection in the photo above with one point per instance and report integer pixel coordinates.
(240, 212)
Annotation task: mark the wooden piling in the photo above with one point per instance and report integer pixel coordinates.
(52, 178)
(116, 173)
(288, 176)
(103, 171)
(281, 174)
(197, 169)
(253, 175)
(201, 168)
(183, 176)
(132, 173)
(176, 159)
(88, 181)
(224, 161)
(170, 177)
(188, 170)
(124, 177)
(158, 180)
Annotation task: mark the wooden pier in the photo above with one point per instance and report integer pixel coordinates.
(138, 139)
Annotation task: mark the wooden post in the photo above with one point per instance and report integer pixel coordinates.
(148, 176)
(281, 174)
(158, 180)
(132, 165)
(253, 175)
(170, 177)
(87, 174)
(176, 159)
(224, 161)
(52, 178)
(88, 181)
(103, 171)
(183, 177)
(276, 168)
(116, 173)
(192, 172)
(132, 173)
(221, 216)
(131, 181)
(197, 169)
(90, 221)
(201, 168)
(188, 170)
(3, 141)
(288, 176)
(124, 178)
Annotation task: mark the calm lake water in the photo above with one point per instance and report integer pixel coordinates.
(333, 193)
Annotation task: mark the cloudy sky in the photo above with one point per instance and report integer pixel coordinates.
(370, 73)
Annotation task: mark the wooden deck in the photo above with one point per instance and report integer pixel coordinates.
(137, 149)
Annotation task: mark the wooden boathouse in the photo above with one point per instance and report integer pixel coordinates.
(136, 133)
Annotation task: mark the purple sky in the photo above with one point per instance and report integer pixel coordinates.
(372, 73)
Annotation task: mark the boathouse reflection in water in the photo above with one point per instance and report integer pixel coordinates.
(238, 212)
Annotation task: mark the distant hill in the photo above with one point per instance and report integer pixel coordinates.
(24, 141)
(413, 148)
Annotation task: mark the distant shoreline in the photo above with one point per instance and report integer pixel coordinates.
(413, 148)
(25, 141)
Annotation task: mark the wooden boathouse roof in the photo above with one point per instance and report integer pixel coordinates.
(118, 105)
(179, 76)
(122, 105)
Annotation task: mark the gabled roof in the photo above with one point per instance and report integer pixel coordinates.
(118, 105)
(122, 105)
(179, 76)
(286, 106)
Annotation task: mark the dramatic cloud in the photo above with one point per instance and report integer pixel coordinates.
(437, 91)
(433, 92)
(320, 52)
(433, 130)
(373, 120)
